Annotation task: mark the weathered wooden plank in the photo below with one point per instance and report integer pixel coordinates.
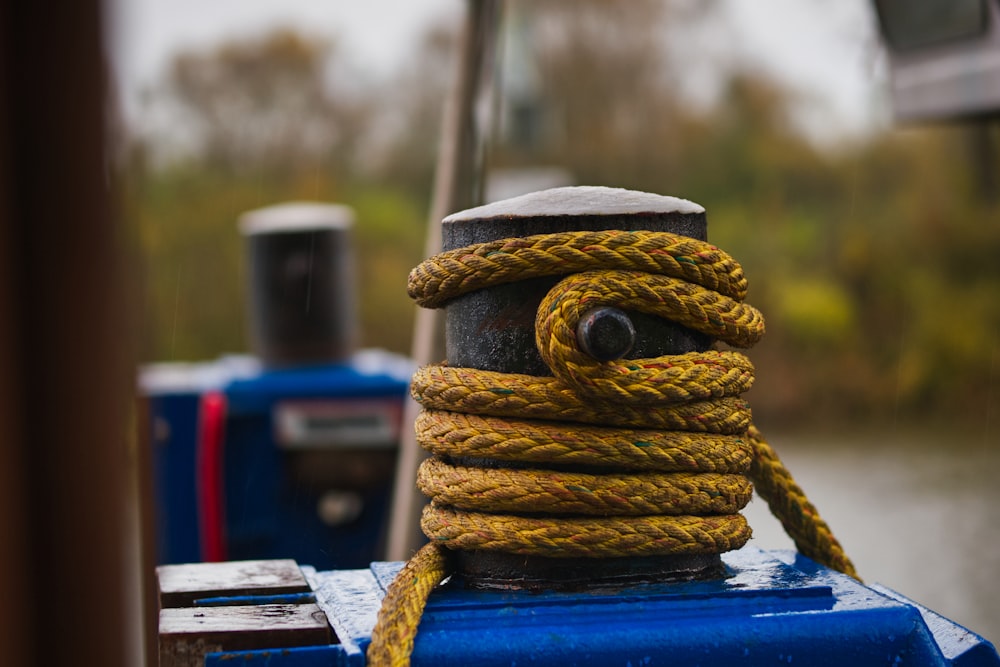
(181, 585)
(187, 634)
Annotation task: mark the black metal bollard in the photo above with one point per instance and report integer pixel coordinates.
(300, 283)
(494, 329)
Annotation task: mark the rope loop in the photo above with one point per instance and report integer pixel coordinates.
(542, 491)
(463, 270)
(474, 391)
(528, 441)
(675, 378)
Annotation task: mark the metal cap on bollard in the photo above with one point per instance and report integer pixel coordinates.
(494, 329)
(301, 284)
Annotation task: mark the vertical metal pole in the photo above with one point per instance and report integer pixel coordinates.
(458, 185)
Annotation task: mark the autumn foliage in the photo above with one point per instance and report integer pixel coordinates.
(873, 259)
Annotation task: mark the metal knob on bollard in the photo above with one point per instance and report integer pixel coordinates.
(606, 334)
(494, 329)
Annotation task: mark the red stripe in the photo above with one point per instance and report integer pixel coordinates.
(209, 477)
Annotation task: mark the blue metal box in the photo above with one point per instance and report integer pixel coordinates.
(300, 464)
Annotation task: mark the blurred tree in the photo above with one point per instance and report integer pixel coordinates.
(266, 120)
(268, 100)
(593, 91)
(872, 260)
(404, 150)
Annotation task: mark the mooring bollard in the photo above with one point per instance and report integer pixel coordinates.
(300, 282)
(494, 329)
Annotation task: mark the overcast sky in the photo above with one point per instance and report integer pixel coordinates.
(825, 48)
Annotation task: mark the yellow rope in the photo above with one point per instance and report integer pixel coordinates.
(673, 430)
(463, 270)
(392, 637)
(511, 395)
(580, 537)
(456, 434)
(788, 502)
(533, 491)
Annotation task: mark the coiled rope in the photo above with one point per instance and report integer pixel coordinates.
(673, 430)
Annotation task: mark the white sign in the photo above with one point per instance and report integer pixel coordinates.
(338, 424)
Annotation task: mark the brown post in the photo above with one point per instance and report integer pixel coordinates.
(65, 364)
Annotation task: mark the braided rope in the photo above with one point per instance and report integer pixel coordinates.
(399, 616)
(585, 537)
(532, 491)
(512, 395)
(464, 270)
(788, 502)
(673, 432)
(449, 434)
